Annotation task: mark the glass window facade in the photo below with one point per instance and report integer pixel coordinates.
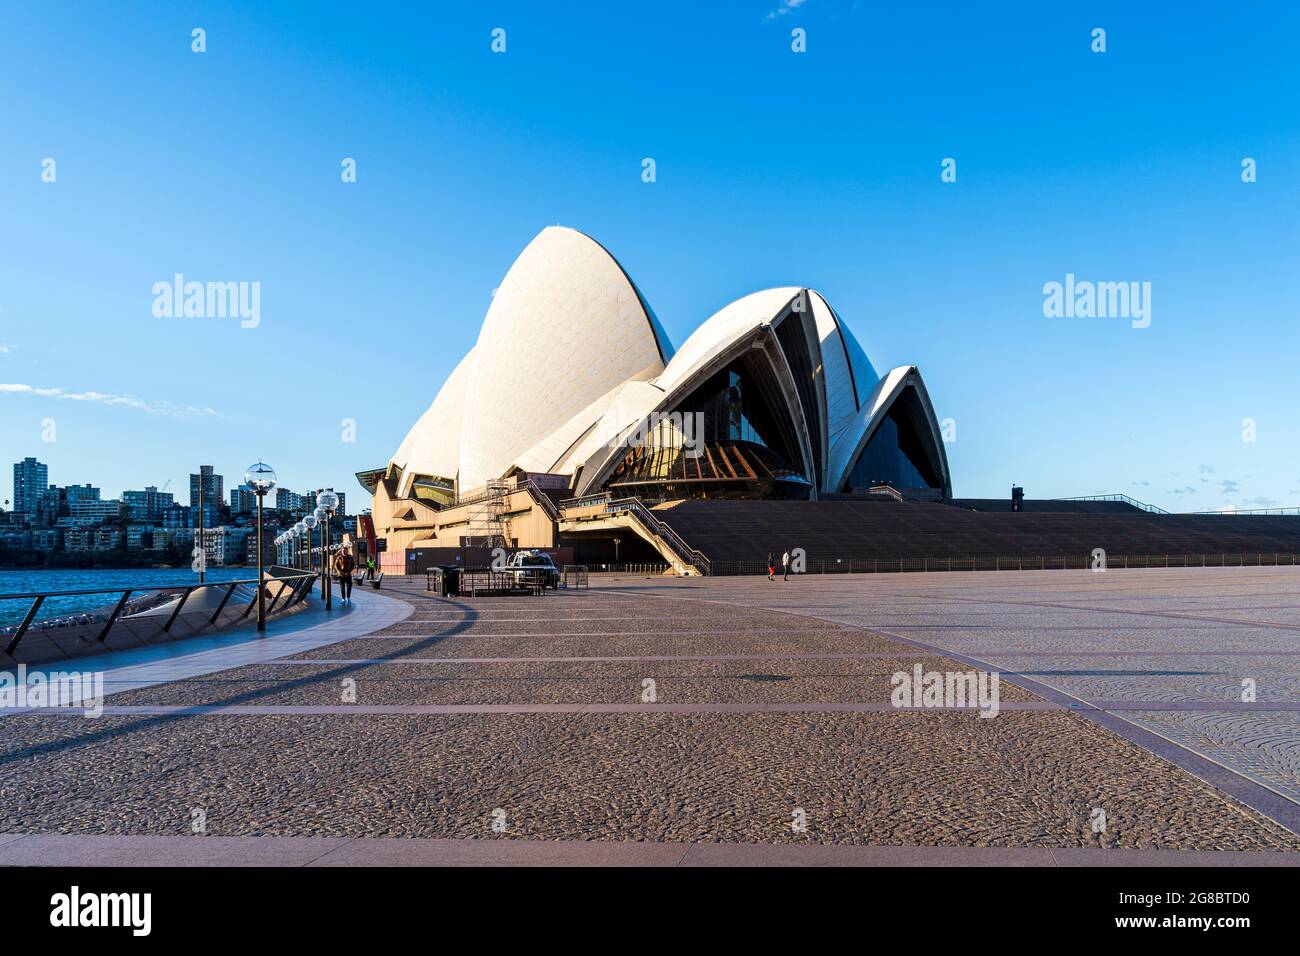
(733, 410)
(894, 456)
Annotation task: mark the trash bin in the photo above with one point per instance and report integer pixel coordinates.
(450, 580)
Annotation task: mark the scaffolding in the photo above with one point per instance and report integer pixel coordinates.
(486, 526)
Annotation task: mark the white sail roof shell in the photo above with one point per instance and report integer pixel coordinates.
(432, 446)
(565, 327)
(571, 358)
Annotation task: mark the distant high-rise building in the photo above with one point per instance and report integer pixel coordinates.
(243, 500)
(84, 492)
(49, 505)
(290, 502)
(147, 505)
(213, 486)
(31, 480)
(224, 545)
(178, 516)
(86, 514)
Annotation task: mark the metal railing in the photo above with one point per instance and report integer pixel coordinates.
(149, 610)
(575, 576)
(651, 567)
(1021, 563)
(535, 490)
(885, 491)
(635, 508)
(1253, 511)
(599, 497)
(1141, 505)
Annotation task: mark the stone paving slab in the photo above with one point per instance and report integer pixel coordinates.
(1024, 779)
(712, 707)
(59, 850)
(562, 645)
(1077, 612)
(18, 849)
(764, 680)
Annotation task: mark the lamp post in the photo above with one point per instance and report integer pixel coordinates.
(308, 523)
(321, 522)
(328, 502)
(261, 478)
(203, 538)
(298, 530)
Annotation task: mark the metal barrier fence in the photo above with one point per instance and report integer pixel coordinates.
(575, 576)
(650, 568)
(143, 614)
(472, 582)
(999, 563)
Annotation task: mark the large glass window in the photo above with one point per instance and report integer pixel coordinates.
(894, 456)
(734, 410)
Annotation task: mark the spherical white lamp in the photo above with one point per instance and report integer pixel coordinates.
(261, 478)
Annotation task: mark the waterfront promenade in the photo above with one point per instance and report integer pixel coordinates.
(699, 721)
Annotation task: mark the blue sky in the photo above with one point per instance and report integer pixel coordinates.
(773, 167)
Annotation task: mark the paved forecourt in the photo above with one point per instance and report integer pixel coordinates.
(1208, 659)
(719, 711)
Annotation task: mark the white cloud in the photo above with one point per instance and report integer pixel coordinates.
(5, 349)
(107, 398)
(787, 6)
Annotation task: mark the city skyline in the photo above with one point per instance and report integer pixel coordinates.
(53, 522)
(219, 476)
(461, 158)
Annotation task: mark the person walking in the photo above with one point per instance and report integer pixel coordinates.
(344, 564)
(785, 564)
(370, 569)
(771, 567)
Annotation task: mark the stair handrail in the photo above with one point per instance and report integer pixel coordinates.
(637, 508)
(1140, 505)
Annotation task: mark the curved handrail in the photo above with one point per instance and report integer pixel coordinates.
(298, 582)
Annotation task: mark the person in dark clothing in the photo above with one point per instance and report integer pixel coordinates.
(771, 567)
(344, 564)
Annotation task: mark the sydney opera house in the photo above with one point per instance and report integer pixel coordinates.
(574, 425)
(573, 393)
